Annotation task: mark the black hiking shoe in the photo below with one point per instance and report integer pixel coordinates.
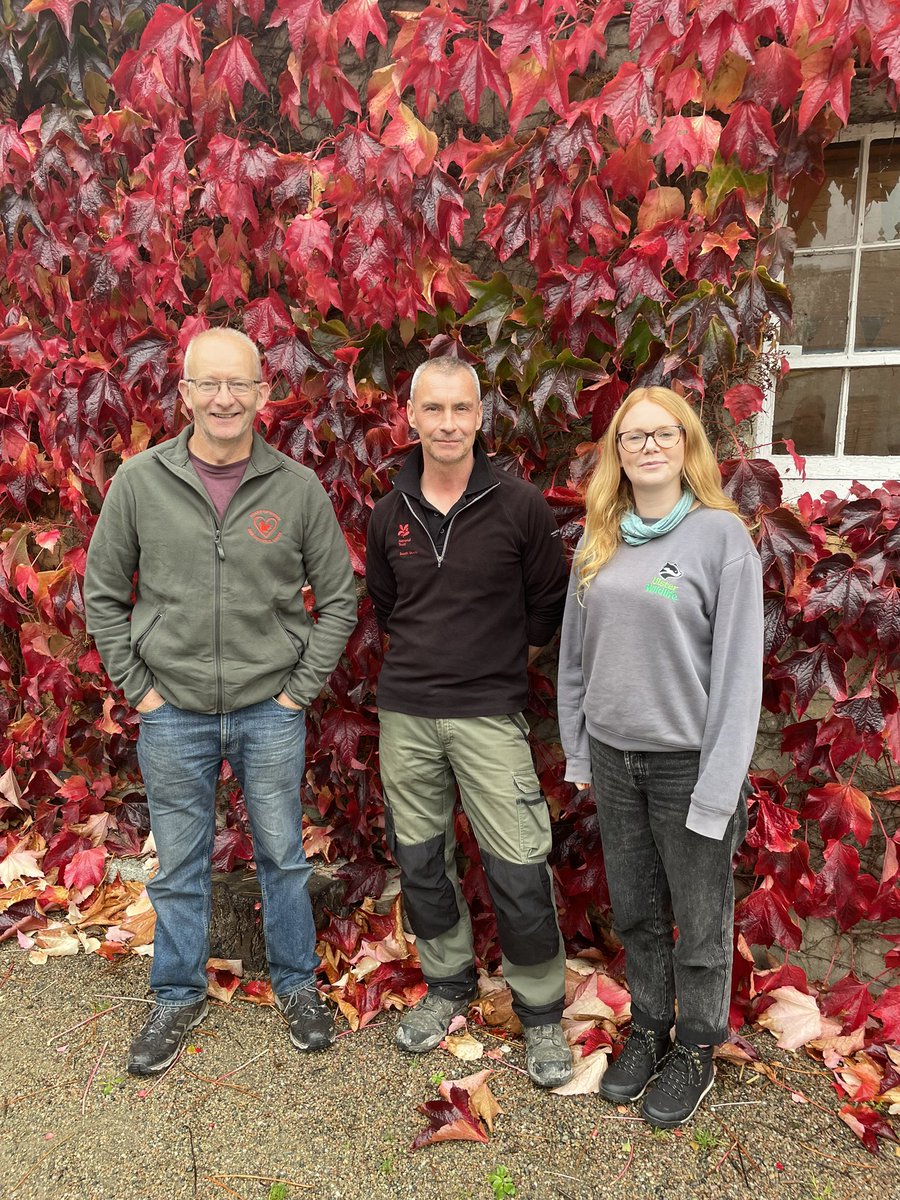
(308, 1017)
(162, 1036)
(628, 1077)
(684, 1079)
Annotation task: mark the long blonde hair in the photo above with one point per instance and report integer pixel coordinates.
(609, 495)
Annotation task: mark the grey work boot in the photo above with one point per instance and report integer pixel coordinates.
(548, 1055)
(425, 1025)
(162, 1036)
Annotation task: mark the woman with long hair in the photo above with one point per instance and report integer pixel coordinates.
(660, 685)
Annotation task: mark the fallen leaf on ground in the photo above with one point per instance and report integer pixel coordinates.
(868, 1125)
(795, 1019)
(481, 1099)
(257, 991)
(53, 942)
(463, 1046)
(588, 1071)
(450, 1120)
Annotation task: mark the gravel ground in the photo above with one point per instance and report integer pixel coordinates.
(338, 1126)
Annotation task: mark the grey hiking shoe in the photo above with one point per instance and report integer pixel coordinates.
(310, 1023)
(425, 1025)
(162, 1036)
(548, 1056)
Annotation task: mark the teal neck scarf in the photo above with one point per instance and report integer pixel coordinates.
(636, 533)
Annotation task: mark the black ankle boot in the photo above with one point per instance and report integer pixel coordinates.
(638, 1063)
(684, 1079)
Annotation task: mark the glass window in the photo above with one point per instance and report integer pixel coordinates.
(820, 287)
(841, 398)
(807, 411)
(872, 410)
(882, 218)
(823, 213)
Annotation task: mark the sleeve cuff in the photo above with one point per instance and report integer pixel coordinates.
(710, 823)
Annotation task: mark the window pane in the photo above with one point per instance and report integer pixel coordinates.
(806, 410)
(823, 214)
(878, 307)
(820, 286)
(872, 425)
(882, 219)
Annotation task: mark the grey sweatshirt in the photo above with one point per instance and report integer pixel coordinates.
(664, 652)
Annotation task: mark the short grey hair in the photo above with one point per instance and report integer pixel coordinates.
(446, 365)
(234, 335)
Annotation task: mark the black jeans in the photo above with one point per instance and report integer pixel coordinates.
(661, 875)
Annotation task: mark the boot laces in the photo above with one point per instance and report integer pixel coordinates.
(682, 1069)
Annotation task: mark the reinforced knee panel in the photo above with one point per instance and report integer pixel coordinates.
(523, 903)
(429, 899)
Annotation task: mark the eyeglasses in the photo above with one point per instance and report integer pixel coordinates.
(665, 437)
(237, 387)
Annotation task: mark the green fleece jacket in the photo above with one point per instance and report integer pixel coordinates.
(218, 620)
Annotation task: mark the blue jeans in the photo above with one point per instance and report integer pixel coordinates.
(180, 754)
(660, 875)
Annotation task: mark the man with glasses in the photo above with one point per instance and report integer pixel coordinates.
(214, 648)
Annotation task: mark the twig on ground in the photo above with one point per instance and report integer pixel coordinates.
(94, 1017)
(628, 1164)
(190, 1134)
(235, 1087)
(92, 1077)
(34, 1166)
(118, 996)
(735, 1103)
(219, 1081)
(583, 1151)
(174, 1063)
(12, 967)
(742, 1149)
(218, 1183)
(801, 1070)
(618, 1118)
(851, 1166)
(733, 1146)
(363, 1028)
(786, 1087)
(308, 1187)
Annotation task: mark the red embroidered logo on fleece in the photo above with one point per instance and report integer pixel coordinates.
(264, 525)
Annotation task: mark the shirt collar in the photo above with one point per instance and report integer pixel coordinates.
(409, 478)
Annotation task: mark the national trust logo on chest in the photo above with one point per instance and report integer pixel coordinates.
(264, 525)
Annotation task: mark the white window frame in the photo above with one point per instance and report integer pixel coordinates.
(836, 471)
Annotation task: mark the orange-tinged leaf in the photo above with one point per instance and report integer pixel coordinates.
(464, 1046)
(63, 10)
(661, 204)
(416, 141)
(481, 1099)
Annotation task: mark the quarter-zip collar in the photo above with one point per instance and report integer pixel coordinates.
(263, 459)
(408, 479)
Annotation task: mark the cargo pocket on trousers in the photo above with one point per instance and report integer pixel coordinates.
(523, 904)
(429, 899)
(533, 819)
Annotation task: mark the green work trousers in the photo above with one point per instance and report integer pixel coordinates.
(423, 759)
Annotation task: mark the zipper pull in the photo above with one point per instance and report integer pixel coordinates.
(219, 550)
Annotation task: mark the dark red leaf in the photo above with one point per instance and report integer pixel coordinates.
(754, 485)
(449, 1120)
(810, 670)
(782, 541)
(764, 920)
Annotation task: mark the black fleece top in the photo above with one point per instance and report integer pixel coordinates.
(461, 612)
